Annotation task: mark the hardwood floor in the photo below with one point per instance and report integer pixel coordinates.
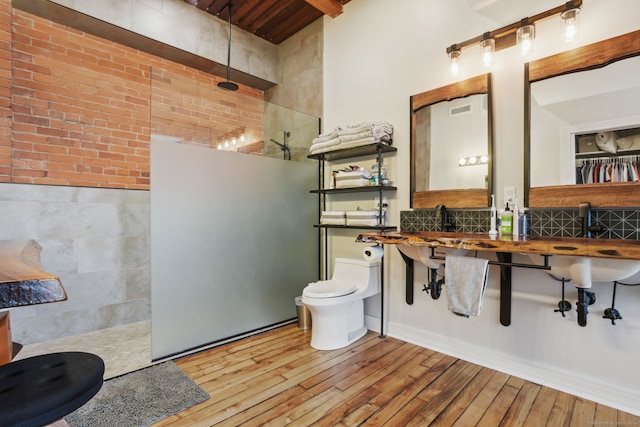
(277, 379)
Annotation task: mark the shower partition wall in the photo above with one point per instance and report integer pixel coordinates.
(231, 243)
(288, 133)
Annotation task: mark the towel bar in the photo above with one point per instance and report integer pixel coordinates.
(504, 262)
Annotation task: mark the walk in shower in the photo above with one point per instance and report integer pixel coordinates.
(232, 236)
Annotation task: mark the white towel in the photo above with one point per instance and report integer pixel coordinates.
(631, 142)
(466, 280)
(606, 141)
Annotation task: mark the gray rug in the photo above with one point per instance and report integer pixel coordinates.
(140, 398)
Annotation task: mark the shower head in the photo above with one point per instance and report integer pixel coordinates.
(228, 86)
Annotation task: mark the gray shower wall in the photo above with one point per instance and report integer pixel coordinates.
(97, 241)
(232, 243)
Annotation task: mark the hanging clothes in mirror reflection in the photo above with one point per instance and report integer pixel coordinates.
(608, 169)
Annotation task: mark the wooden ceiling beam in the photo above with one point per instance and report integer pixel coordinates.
(332, 8)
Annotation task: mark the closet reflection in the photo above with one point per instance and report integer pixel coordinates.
(595, 165)
(583, 126)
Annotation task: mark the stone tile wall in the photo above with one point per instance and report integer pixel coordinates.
(96, 241)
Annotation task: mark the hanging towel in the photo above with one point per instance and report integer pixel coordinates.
(466, 280)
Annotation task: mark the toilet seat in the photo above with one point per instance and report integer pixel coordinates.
(328, 289)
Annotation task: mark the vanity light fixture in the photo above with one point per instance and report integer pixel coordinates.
(525, 36)
(488, 46)
(521, 33)
(454, 58)
(570, 22)
(473, 160)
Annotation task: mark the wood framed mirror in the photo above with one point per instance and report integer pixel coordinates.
(448, 124)
(580, 107)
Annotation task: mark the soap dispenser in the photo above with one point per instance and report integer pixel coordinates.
(506, 221)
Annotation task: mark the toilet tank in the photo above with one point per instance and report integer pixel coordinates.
(360, 272)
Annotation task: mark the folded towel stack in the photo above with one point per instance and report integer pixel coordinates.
(333, 218)
(365, 133)
(358, 178)
(466, 280)
(364, 218)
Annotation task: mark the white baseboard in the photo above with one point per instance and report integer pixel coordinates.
(621, 398)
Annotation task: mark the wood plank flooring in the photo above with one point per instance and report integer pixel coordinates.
(277, 379)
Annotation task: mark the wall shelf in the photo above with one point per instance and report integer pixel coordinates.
(355, 189)
(359, 227)
(346, 153)
(369, 150)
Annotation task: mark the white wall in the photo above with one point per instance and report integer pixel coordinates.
(375, 57)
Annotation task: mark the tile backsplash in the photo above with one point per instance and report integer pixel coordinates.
(616, 223)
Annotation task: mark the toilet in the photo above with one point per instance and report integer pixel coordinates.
(337, 306)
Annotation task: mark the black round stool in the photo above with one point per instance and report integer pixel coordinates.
(42, 389)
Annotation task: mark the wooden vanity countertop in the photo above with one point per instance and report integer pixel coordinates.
(575, 246)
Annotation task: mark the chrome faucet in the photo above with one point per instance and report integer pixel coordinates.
(584, 212)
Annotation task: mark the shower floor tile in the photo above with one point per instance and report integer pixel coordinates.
(123, 348)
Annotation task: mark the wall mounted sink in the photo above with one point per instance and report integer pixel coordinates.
(585, 270)
(423, 254)
(419, 253)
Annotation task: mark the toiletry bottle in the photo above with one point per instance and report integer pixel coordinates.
(522, 219)
(506, 221)
(516, 217)
(494, 217)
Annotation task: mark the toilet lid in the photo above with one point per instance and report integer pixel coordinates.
(328, 289)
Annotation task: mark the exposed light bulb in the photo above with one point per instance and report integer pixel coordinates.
(462, 161)
(488, 47)
(454, 57)
(524, 38)
(570, 22)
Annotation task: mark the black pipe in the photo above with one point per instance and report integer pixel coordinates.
(585, 299)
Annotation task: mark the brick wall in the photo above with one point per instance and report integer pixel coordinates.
(5, 90)
(83, 108)
(187, 103)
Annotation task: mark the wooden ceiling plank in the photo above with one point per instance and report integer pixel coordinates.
(249, 12)
(332, 8)
(201, 4)
(292, 24)
(274, 17)
(273, 20)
